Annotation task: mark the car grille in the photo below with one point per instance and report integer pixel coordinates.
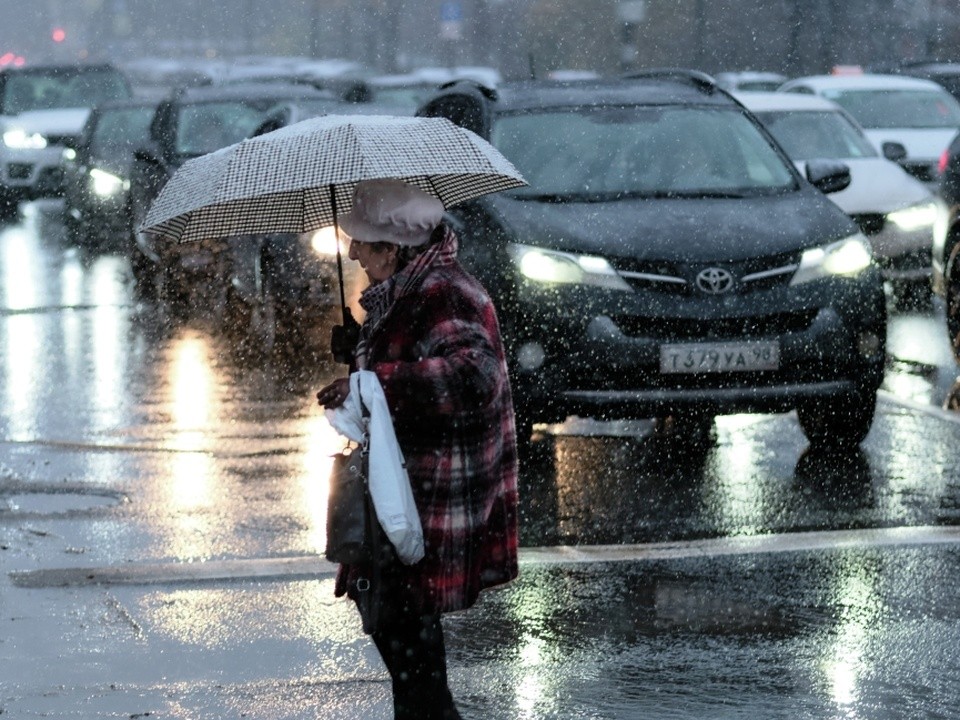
(680, 278)
(870, 223)
(681, 329)
(60, 139)
(19, 171)
(924, 171)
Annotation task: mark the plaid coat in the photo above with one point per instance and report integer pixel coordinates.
(441, 363)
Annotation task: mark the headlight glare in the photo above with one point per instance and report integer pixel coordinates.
(20, 139)
(324, 242)
(553, 267)
(845, 258)
(915, 217)
(106, 184)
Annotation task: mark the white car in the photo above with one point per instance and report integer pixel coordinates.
(895, 211)
(750, 80)
(42, 112)
(908, 119)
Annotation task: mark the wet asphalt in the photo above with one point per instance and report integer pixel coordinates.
(161, 529)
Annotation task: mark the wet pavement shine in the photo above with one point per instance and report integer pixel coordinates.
(162, 505)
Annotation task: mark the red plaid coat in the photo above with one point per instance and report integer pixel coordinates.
(439, 357)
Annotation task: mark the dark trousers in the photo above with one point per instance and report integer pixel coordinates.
(412, 648)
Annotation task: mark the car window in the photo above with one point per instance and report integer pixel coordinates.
(205, 127)
(63, 89)
(120, 130)
(808, 134)
(899, 108)
(604, 151)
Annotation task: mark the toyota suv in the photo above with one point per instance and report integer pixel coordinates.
(43, 109)
(667, 259)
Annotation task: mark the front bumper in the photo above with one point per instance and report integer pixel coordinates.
(606, 362)
(34, 173)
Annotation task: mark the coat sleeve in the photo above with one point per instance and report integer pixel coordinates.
(460, 367)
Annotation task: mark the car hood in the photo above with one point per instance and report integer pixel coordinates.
(68, 121)
(920, 144)
(677, 230)
(877, 185)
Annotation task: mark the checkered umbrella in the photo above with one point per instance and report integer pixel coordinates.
(298, 178)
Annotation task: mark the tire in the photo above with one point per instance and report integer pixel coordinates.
(840, 421)
(952, 300)
(9, 206)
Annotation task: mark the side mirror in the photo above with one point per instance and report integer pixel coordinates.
(828, 176)
(894, 151)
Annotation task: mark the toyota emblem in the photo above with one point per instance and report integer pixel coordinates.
(715, 281)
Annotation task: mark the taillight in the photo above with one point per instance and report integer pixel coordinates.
(944, 160)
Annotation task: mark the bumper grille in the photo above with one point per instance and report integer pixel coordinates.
(679, 329)
(870, 223)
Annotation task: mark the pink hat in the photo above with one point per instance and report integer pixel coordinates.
(391, 211)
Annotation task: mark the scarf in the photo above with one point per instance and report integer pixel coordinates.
(377, 300)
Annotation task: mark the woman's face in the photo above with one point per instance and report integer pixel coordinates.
(378, 261)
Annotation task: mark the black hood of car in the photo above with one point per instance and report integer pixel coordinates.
(677, 229)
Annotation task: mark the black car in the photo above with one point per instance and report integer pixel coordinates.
(192, 122)
(667, 259)
(96, 205)
(946, 243)
(945, 74)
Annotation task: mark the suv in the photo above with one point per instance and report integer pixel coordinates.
(667, 259)
(946, 244)
(42, 111)
(192, 122)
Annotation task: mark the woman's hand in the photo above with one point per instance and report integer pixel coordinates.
(333, 395)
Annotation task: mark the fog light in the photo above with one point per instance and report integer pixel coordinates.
(530, 356)
(868, 344)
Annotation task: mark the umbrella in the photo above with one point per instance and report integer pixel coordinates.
(298, 178)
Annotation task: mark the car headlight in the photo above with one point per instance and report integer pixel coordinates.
(106, 184)
(915, 217)
(324, 242)
(20, 139)
(551, 266)
(844, 258)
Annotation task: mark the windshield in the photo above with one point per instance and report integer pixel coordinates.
(119, 131)
(205, 127)
(62, 89)
(823, 134)
(881, 109)
(604, 152)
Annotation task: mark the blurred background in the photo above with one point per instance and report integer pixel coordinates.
(518, 37)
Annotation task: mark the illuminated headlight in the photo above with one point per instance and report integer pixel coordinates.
(20, 139)
(844, 258)
(324, 242)
(106, 184)
(552, 267)
(915, 217)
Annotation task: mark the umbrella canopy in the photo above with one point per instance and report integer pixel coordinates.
(300, 177)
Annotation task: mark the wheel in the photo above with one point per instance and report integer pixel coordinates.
(952, 300)
(839, 421)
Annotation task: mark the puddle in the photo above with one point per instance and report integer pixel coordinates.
(52, 503)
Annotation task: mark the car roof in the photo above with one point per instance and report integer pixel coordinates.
(765, 101)
(863, 82)
(660, 90)
(60, 67)
(243, 91)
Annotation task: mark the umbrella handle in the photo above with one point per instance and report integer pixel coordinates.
(336, 237)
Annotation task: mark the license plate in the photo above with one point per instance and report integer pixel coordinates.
(719, 357)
